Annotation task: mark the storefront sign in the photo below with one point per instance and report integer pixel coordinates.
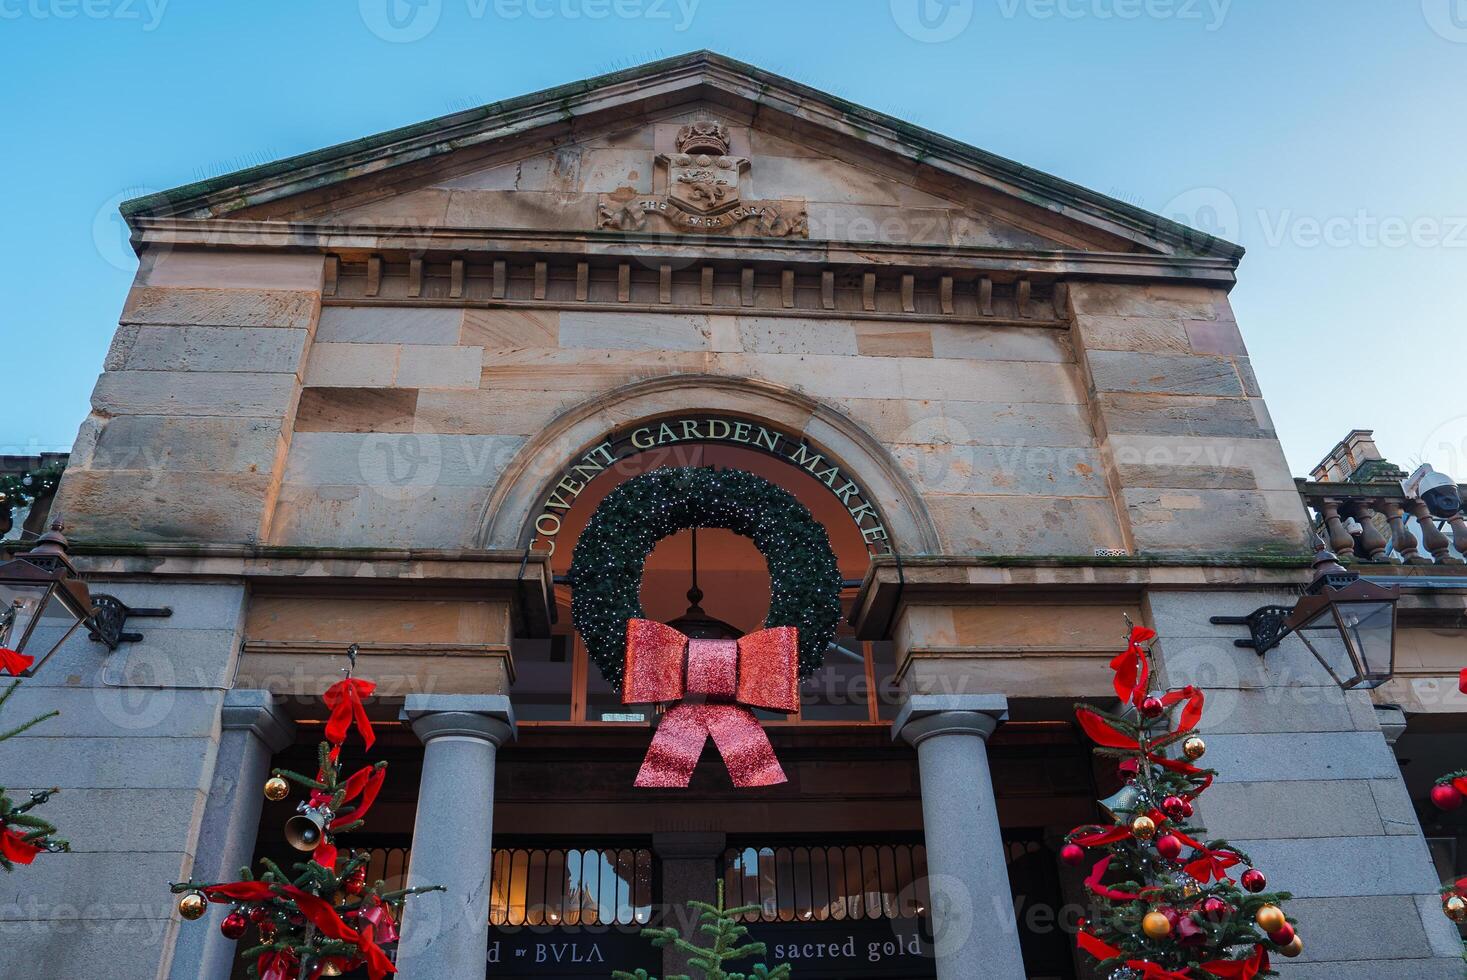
(569, 953)
(853, 948)
(690, 430)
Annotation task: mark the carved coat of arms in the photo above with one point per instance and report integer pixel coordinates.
(699, 191)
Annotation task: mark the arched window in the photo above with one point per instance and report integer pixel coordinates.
(556, 684)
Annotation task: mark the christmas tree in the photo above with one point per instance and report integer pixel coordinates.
(325, 919)
(726, 937)
(23, 835)
(1447, 795)
(1166, 904)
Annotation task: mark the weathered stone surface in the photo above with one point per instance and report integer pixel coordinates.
(521, 209)
(1282, 810)
(511, 329)
(390, 325)
(573, 370)
(890, 225)
(362, 516)
(894, 340)
(1216, 337)
(104, 712)
(194, 393)
(202, 269)
(1170, 374)
(633, 331)
(400, 464)
(222, 307)
(1172, 415)
(438, 367)
(186, 443)
(971, 525)
(1219, 521)
(352, 365)
(1328, 867)
(260, 349)
(123, 820)
(357, 409)
(1024, 470)
(1112, 299)
(497, 411)
(1149, 334)
(163, 506)
(1000, 343)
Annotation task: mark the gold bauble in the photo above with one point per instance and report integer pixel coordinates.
(1455, 908)
(1156, 926)
(1143, 827)
(193, 906)
(1295, 947)
(1270, 918)
(330, 968)
(1194, 748)
(276, 789)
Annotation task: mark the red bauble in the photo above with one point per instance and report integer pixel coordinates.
(1151, 707)
(296, 919)
(1283, 937)
(267, 931)
(1186, 809)
(1189, 933)
(258, 913)
(1174, 807)
(1073, 855)
(1446, 797)
(1254, 881)
(1169, 846)
(1216, 910)
(234, 925)
(356, 883)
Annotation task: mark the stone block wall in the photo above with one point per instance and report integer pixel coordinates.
(133, 753)
(1310, 789)
(192, 416)
(1188, 444)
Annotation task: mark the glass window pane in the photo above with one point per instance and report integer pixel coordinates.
(535, 889)
(542, 687)
(838, 691)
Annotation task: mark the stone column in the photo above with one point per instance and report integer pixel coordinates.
(254, 728)
(689, 872)
(445, 935)
(975, 934)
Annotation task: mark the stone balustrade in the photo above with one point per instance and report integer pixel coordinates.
(1380, 523)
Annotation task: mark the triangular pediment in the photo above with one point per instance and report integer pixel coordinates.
(604, 156)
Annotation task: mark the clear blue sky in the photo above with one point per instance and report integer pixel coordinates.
(1325, 135)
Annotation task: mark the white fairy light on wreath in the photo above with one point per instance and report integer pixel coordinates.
(606, 569)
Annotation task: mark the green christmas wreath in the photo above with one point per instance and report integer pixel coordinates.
(606, 570)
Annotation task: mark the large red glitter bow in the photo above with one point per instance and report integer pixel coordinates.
(1245, 969)
(13, 662)
(15, 848)
(715, 682)
(344, 698)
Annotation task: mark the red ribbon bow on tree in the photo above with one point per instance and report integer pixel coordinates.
(16, 848)
(325, 919)
(715, 682)
(344, 698)
(13, 662)
(1132, 668)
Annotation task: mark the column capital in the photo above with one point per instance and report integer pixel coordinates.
(258, 712)
(926, 715)
(484, 716)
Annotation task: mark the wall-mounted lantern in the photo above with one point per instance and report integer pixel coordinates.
(1349, 625)
(43, 601)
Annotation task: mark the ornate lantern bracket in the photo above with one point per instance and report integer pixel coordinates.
(110, 615)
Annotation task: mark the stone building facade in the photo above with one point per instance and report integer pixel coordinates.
(347, 401)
